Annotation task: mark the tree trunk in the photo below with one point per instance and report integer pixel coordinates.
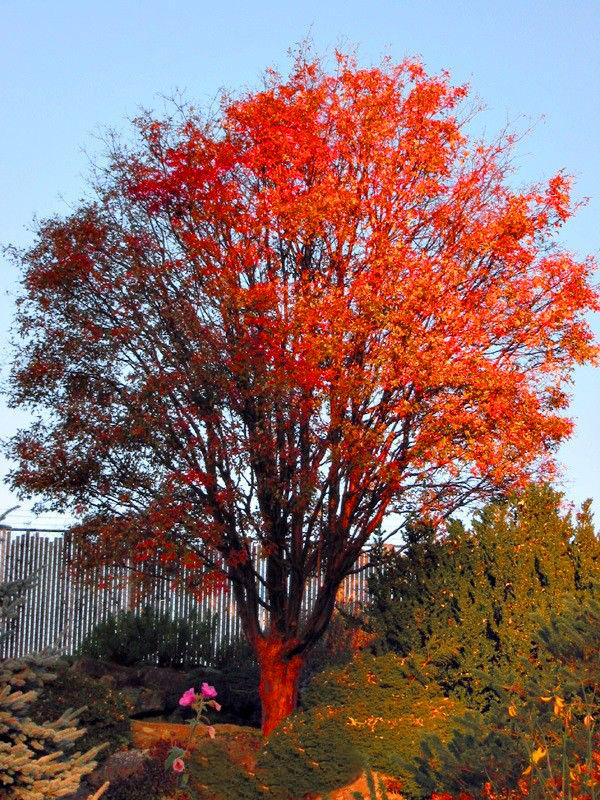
(279, 676)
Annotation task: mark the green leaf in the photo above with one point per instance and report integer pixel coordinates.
(176, 752)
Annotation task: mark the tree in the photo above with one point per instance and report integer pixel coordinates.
(35, 762)
(281, 324)
(473, 602)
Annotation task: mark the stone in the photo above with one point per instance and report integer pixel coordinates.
(148, 702)
(118, 766)
(109, 681)
(121, 676)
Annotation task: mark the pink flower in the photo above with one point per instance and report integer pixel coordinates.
(178, 765)
(215, 705)
(211, 732)
(208, 692)
(187, 698)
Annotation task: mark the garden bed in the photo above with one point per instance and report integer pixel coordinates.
(240, 745)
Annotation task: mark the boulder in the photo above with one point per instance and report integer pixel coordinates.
(118, 766)
(169, 683)
(149, 702)
(117, 675)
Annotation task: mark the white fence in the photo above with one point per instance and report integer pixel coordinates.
(61, 609)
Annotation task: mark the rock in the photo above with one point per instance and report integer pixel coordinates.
(90, 667)
(124, 764)
(108, 680)
(149, 701)
(161, 677)
(118, 766)
(120, 676)
(132, 694)
(169, 682)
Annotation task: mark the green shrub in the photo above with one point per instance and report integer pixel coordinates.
(473, 756)
(336, 647)
(12, 597)
(547, 709)
(308, 753)
(236, 679)
(106, 713)
(152, 637)
(385, 706)
(214, 775)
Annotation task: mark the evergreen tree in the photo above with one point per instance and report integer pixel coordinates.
(34, 760)
(11, 594)
(541, 734)
(473, 601)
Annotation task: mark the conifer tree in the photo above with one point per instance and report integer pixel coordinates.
(473, 601)
(34, 760)
(12, 597)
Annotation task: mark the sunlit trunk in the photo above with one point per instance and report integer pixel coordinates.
(278, 687)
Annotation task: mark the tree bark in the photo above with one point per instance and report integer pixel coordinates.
(279, 676)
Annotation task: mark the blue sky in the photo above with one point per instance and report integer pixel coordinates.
(69, 70)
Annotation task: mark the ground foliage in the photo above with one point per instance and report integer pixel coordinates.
(105, 713)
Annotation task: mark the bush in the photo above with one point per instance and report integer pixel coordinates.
(304, 755)
(385, 706)
(539, 734)
(215, 775)
(343, 638)
(12, 597)
(236, 680)
(472, 757)
(308, 753)
(106, 713)
(152, 637)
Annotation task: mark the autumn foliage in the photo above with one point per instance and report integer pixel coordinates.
(284, 322)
